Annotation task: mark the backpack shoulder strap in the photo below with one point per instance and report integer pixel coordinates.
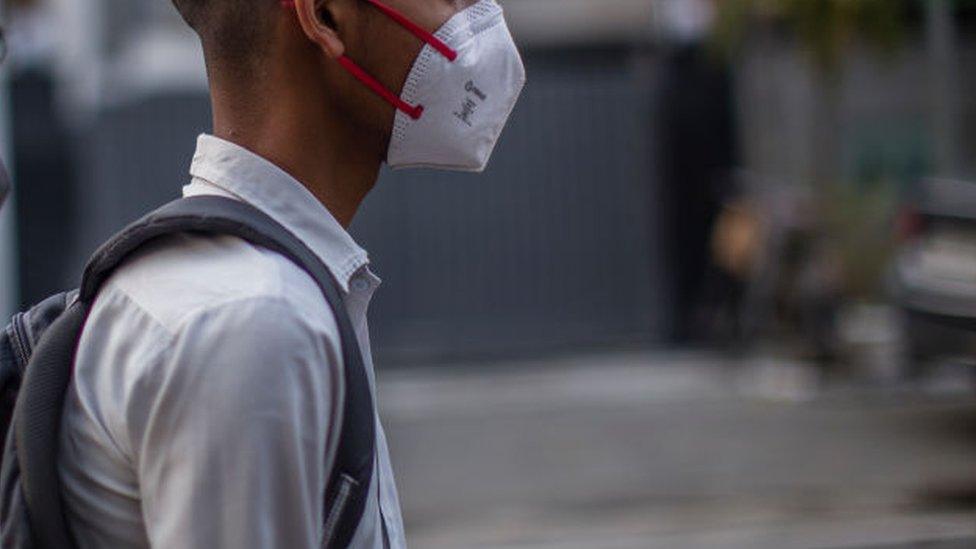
(351, 476)
(36, 430)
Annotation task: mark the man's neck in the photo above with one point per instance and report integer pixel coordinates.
(338, 165)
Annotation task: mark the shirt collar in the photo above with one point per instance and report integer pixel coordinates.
(249, 177)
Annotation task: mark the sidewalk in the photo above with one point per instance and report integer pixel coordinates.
(672, 450)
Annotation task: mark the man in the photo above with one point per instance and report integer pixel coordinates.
(203, 408)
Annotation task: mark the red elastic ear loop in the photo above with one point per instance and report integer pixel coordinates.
(416, 30)
(371, 82)
(412, 111)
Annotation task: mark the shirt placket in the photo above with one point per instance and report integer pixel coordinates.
(362, 285)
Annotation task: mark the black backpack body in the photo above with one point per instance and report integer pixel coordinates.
(37, 354)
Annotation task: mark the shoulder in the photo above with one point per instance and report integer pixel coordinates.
(178, 279)
(186, 302)
(191, 318)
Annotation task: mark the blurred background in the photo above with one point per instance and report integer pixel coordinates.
(716, 289)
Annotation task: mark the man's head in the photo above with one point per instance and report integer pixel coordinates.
(275, 49)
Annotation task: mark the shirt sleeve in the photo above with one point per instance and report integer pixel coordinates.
(235, 437)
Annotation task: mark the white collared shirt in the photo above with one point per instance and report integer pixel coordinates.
(202, 412)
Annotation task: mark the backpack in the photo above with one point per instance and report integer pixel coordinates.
(36, 361)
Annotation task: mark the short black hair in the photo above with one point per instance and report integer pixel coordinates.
(230, 30)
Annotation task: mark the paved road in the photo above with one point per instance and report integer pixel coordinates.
(676, 451)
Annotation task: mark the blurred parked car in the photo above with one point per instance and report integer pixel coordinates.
(933, 276)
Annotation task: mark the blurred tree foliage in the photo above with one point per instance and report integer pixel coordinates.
(826, 27)
(855, 215)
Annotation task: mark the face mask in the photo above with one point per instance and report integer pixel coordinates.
(459, 93)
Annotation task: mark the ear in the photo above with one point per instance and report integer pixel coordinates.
(319, 25)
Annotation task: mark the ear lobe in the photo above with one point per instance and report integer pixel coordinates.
(316, 20)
